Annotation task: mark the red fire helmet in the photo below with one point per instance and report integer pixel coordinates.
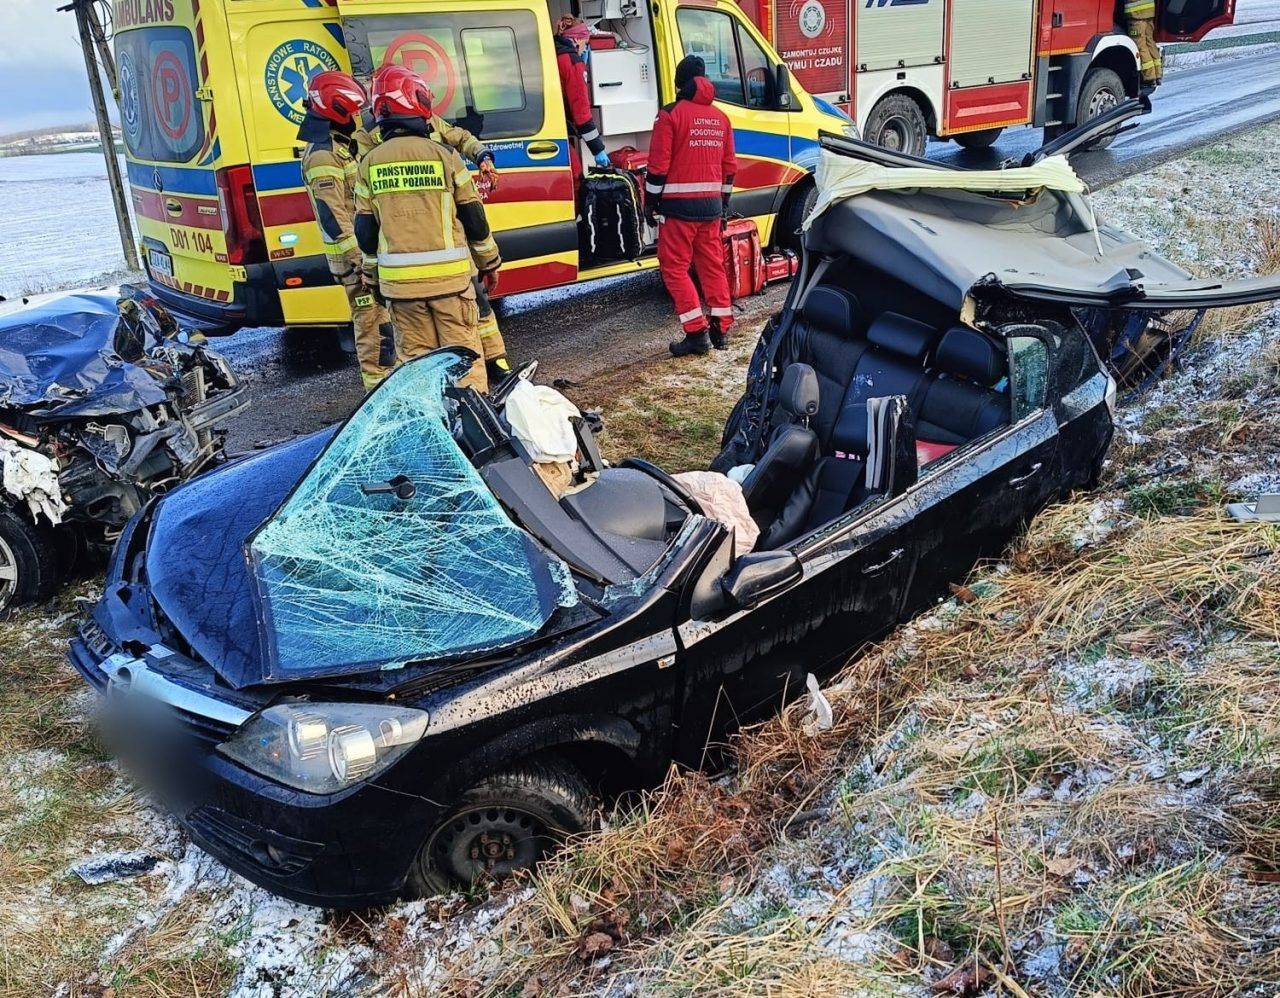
(398, 90)
(336, 96)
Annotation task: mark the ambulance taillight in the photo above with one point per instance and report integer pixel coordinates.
(245, 241)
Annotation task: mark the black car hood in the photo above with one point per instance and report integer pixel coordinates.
(196, 566)
(59, 358)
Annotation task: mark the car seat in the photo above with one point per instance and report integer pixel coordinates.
(959, 404)
(830, 338)
(792, 448)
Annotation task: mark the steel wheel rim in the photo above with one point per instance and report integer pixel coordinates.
(8, 573)
(894, 133)
(490, 841)
(1102, 102)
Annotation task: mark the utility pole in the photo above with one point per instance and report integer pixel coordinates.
(93, 37)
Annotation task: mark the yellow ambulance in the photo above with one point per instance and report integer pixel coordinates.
(211, 96)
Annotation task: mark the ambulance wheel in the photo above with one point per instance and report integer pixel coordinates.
(984, 139)
(1102, 91)
(898, 124)
(28, 562)
(793, 214)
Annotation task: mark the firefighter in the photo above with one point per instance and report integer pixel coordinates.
(690, 177)
(1140, 16)
(471, 147)
(421, 225)
(329, 167)
(572, 38)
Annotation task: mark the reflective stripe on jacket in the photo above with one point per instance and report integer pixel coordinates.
(329, 170)
(419, 215)
(691, 160)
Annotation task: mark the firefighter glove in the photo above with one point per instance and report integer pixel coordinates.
(490, 281)
(489, 172)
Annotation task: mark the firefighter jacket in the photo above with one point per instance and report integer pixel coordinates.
(691, 161)
(419, 218)
(329, 169)
(577, 100)
(455, 136)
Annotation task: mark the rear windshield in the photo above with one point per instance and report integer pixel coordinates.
(161, 119)
(484, 69)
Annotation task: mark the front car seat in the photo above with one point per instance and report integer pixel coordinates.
(792, 448)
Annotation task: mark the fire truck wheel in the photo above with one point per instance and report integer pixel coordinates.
(28, 561)
(1101, 91)
(978, 140)
(897, 123)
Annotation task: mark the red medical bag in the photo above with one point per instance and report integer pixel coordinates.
(743, 262)
(629, 158)
(780, 266)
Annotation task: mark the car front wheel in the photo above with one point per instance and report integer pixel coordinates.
(898, 124)
(507, 822)
(28, 561)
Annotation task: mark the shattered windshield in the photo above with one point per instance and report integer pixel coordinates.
(391, 549)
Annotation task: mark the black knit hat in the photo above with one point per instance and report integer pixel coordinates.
(688, 68)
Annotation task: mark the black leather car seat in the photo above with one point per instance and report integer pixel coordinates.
(959, 404)
(792, 448)
(831, 340)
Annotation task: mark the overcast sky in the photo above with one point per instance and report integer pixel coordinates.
(42, 76)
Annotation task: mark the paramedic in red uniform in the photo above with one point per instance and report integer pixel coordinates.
(690, 178)
(571, 40)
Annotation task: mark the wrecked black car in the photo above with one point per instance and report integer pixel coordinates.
(104, 403)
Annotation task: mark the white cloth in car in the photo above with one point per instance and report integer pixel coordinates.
(721, 499)
(539, 417)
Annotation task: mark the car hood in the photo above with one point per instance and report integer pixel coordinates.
(300, 563)
(1030, 231)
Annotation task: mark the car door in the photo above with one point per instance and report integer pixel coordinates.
(743, 666)
(492, 71)
(1191, 20)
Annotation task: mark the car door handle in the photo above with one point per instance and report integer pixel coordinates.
(877, 569)
(1022, 480)
(541, 150)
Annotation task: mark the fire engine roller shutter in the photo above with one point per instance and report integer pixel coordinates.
(898, 35)
(990, 41)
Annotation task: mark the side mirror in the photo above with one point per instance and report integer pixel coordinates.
(783, 87)
(759, 575)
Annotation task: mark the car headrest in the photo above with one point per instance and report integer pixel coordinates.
(969, 354)
(798, 393)
(833, 310)
(904, 336)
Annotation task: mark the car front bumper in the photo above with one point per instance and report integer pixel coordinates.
(346, 850)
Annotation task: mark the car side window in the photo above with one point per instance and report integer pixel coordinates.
(484, 69)
(736, 64)
(1028, 375)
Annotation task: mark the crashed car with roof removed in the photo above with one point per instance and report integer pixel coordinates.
(391, 655)
(104, 403)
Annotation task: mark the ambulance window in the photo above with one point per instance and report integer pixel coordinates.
(161, 119)
(485, 69)
(736, 64)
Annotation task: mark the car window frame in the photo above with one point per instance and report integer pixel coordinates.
(736, 29)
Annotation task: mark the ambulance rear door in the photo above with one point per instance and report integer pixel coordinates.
(492, 70)
(278, 47)
(1191, 20)
(168, 53)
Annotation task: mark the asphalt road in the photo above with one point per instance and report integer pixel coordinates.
(301, 381)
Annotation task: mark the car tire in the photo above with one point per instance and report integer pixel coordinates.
(897, 123)
(794, 213)
(28, 562)
(984, 139)
(506, 822)
(1101, 91)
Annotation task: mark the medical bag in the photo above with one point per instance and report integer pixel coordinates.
(629, 158)
(743, 261)
(780, 266)
(611, 216)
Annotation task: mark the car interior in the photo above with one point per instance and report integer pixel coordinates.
(844, 351)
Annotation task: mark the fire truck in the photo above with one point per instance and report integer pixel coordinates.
(906, 70)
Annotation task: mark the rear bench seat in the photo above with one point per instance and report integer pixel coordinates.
(951, 399)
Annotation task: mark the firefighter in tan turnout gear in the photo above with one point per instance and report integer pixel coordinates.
(1140, 17)
(472, 148)
(421, 224)
(329, 168)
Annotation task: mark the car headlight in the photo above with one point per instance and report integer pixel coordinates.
(1110, 398)
(851, 131)
(324, 747)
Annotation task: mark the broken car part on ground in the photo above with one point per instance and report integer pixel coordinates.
(104, 403)
(385, 657)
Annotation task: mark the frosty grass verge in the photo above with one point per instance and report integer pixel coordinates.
(1077, 802)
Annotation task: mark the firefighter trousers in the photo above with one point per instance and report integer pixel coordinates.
(426, 324)
(490, 335)
(1142, 29)
(375, 340)
(680, 244)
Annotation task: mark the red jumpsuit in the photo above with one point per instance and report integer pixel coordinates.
(690, 178)
(577, 104)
